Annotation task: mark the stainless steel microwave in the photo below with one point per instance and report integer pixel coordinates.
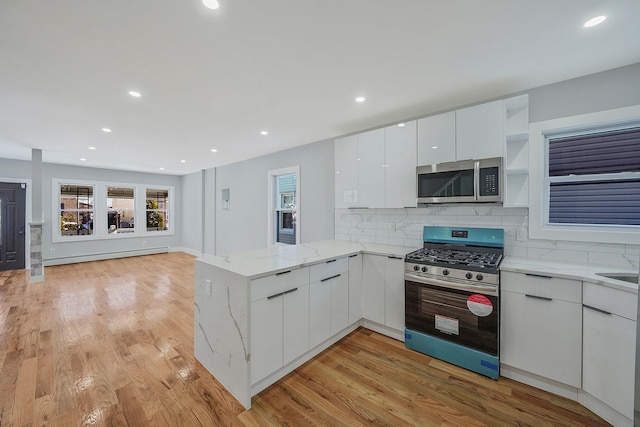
(463, 181)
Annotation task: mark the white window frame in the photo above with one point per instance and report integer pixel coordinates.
(100, 220)
(539, 132)
(271, 205)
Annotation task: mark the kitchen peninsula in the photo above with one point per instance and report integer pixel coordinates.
(259, 315)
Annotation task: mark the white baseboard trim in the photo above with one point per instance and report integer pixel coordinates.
(538, 381)
(186, 250)
(603, 410)
(105, 255)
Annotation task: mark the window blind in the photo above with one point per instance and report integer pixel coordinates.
(596, 153)
(609, 201)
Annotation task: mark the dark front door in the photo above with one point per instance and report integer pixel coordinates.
(12, 226)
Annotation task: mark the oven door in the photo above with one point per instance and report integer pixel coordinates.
(465, 317)
(447, 182)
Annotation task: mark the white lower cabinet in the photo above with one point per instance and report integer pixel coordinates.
(329, 299)
(541, 326)
(279, 321)
(609, 342)
(383, 294)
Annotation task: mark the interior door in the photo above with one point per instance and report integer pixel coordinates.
(12, 225)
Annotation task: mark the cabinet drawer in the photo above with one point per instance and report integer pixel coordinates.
(280, 282)
(611, 300)
(542, 286)
(328, 268)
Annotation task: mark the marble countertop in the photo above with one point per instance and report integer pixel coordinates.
(264, 262)
(563, 270)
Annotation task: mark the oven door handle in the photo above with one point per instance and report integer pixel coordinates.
(470, 287)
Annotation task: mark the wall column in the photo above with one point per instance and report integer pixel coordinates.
(35, 226)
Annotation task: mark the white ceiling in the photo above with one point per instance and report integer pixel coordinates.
(216, 78)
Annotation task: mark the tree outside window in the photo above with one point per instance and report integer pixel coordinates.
(157, 206)
(76, 209)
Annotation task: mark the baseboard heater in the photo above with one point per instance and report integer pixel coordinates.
(104, 255)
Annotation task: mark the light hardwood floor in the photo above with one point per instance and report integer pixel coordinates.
(111, 343)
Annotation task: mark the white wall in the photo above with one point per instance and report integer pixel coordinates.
(244, 226)
(192, 212)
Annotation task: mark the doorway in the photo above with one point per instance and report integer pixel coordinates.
(12, 225)
(284, 206)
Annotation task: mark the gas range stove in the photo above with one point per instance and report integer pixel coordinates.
(467, 254)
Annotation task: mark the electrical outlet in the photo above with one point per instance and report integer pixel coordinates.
(521, 234)
(207, 287)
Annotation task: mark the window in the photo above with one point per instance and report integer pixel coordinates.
(283, 208)
(585, 177)
(157, 209)
(108, 210)
(121, 213)
(76, 209)
(594, 178)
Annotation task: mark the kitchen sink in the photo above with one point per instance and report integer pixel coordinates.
(625, 277)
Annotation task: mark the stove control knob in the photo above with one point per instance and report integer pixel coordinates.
(424, 269)
(468, 275)
(479, 276)
(445, 272)
(416, 267)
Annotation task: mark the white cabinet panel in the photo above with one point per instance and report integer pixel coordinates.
(319, 312)
(355, 288)
(400, 165)
(266, 337)
(373, 288)
(394, 293)
(339, 303)
(371, 173)
(437, 131)
(541, 335)
(346, 172)
(609, 359)
(480, 131)
(295, 323)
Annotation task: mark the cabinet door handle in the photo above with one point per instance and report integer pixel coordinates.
(538, 297)
(353, 256)
(538, 275)
(332, 277)
(275, 295)
(333, 260)
(394, 257)
(599, 310)
(289, 291)
(359, 207)
(283, 272)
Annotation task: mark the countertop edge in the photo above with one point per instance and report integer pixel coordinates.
(585, 273)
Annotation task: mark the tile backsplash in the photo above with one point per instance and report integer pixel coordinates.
(404, 227)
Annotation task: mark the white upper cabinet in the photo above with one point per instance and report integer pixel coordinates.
(480, 131)
(371, 170)
(346, 173)
(437, 139)
(400, 165)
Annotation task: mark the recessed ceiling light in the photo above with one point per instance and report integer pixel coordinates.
(83, 160)
(106, 130)
(92, 148)
(595, 21)
(161, 169)
(183, 161)
(264, 132)
(135, 94)
(360, 99)
(400, 125)
(435, 147)
(211, 4)
(213, 150)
